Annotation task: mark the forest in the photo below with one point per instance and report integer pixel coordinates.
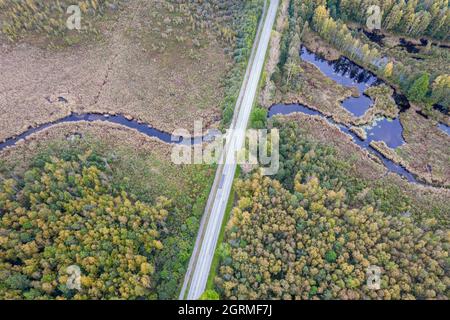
(245, 33)
(67, 212)
(314, 231)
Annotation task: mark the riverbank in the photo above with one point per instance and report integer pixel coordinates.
(321, 81)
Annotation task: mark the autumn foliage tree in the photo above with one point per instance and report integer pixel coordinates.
(419, 89)
(301, 236)
(65, 213)
(308, 244)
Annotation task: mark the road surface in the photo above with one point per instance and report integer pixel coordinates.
(203, 253)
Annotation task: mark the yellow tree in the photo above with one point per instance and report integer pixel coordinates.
(388, 69)
(320, 17)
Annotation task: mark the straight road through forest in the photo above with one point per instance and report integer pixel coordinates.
(203, 253)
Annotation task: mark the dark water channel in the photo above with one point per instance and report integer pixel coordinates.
(118, 119)
(342, 71)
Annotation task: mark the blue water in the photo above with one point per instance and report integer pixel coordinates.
(119, 119)
(444, 128)
(358, 105)
(348, 74)
(374, 132)
(286, 109)
(387, 130)
(342, 71)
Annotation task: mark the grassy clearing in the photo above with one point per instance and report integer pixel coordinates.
(160, 62)
(426, 150)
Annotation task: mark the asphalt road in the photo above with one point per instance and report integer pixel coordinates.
(203, 253)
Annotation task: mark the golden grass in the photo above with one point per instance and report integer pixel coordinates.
(121, 74)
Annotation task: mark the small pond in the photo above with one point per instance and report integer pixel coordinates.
(348, 74)
(373, 132)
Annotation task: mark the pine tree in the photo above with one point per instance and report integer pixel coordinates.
(394, 16)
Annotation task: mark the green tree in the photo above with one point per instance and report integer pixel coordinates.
(258, 118)
(210, 295)
(419, 89)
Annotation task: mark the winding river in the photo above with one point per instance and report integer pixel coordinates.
(342, 71)
(117, 119)
(284, 109)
